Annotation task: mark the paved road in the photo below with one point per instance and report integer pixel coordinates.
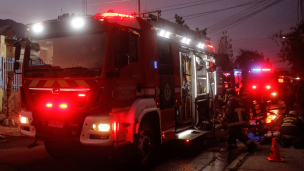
(203, 155)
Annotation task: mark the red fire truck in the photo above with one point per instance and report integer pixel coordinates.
(113, 80)
(263, 83)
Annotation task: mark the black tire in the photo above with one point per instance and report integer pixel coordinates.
(147, 145)
(285, 143)
(298, 143)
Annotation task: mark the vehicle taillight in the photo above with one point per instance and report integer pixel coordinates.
(254, 87)
(63, 106)
(49, 105)
(274, 93)
(81, 95)
(268, 87)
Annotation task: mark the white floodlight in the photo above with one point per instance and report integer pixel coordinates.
(37, 28)
(185, 40)
(201, 45)
(77, 22)
(164, 33)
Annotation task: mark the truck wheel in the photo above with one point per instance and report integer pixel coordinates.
(147, 144)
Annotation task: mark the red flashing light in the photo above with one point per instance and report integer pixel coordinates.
(268, 87)
(254, 87)
(49, 105)
(63, 106)
(112, 14)
(81, 95)
(210, 46)
(266, 69)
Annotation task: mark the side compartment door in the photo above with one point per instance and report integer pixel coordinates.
(166, 81)
(166, 75)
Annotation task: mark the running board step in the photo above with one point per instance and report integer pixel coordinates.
(190, 134)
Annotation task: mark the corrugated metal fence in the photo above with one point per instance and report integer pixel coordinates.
(7, 64)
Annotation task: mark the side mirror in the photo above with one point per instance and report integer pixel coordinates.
(16, 66)
(17, 52)
(123, 41)
(121, 61)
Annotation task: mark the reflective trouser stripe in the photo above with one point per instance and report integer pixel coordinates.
(239, 112)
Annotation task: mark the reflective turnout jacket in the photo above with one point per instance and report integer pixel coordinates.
(235, 112)
(292, 125)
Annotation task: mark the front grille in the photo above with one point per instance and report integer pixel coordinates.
(40, 97)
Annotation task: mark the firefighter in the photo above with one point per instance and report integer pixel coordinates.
(247, 98)
(292, 129)
(236, 116)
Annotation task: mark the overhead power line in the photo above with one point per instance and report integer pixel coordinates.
(159, 8)
(187, 17)
(242, 16)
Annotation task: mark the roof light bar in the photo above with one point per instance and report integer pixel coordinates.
(256, 69)
(266, 69)
(112, 15)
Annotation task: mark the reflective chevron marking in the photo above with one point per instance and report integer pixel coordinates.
(82, 83)
(34, 83)
(49, 83)
(63, 83)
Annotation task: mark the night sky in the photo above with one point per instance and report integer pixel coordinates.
(246, 32)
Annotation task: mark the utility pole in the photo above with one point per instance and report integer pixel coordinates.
(138, 8)
(84, 7)
(300, 10)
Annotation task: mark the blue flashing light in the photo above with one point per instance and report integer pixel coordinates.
(256, 69)
(155, 64)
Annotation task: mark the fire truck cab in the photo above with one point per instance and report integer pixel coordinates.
(113, 80)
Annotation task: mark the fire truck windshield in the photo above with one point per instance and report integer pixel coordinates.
(62, 57)
(262, 77)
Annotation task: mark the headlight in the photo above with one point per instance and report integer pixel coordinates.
(101, 127)
(24, 120)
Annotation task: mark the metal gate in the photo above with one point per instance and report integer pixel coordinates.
(6, 65)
